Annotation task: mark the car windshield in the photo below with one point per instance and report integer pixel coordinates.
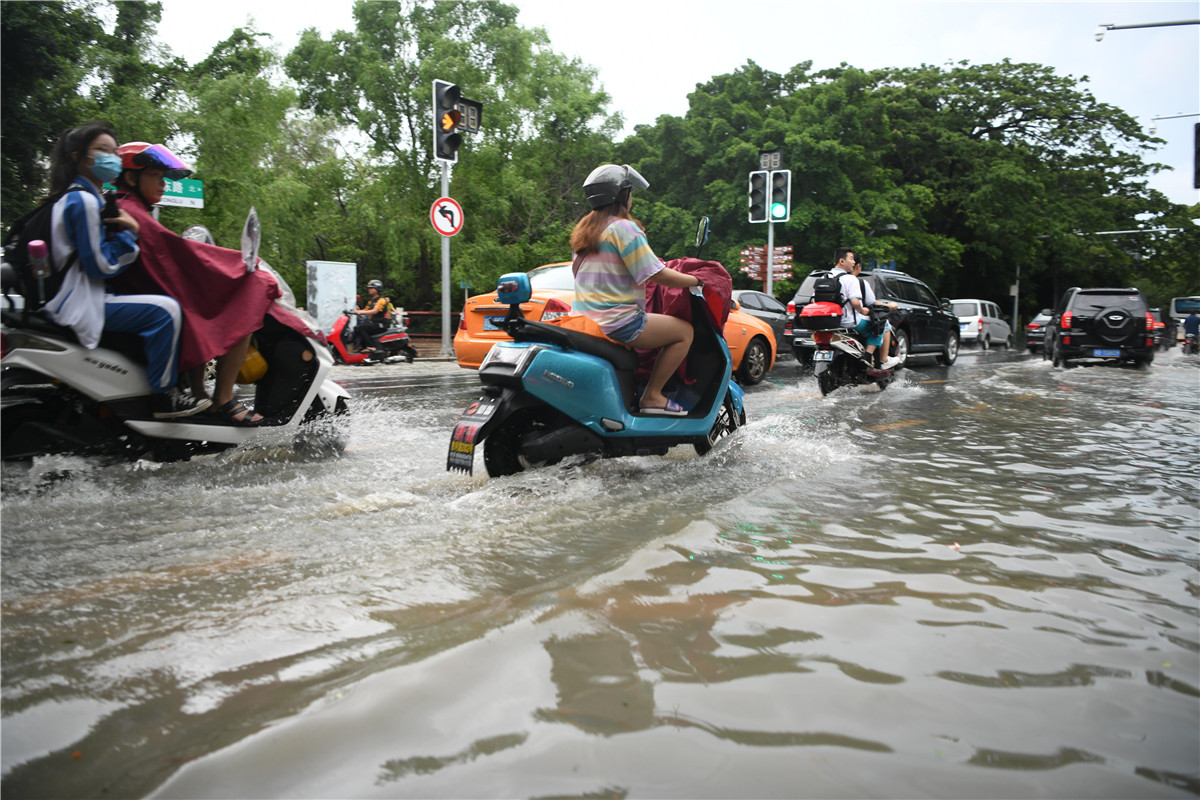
(1042, 319)
(964, 309)
(1098, 302)
(553, 278)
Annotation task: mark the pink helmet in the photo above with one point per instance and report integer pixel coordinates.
(142, 155)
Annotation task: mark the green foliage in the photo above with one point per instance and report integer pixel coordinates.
(46, 49)
(959, 173)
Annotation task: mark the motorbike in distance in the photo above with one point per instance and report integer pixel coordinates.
(1190, 346)
(840, 357)
(389, 346)
(554, 392)
(59, 397)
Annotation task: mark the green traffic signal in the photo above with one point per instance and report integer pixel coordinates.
(781, 195)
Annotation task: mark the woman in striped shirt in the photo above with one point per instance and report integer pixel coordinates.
(613, 261)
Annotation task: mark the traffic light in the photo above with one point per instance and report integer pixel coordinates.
(446, 120)
(781, 195)
(758, 195)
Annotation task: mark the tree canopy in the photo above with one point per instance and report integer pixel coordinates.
(960, 174)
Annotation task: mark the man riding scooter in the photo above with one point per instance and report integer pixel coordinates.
(856, 309)
(372, 317)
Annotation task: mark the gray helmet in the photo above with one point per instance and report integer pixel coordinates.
(604, 185)
(375, 285)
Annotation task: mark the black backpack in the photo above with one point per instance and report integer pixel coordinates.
(828, 289)
(28, 228)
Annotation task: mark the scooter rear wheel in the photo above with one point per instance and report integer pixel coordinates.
(826, 382)
(502, 448)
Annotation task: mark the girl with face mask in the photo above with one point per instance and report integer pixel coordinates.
(90, 253)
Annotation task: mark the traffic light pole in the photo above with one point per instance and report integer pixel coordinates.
(770, 258)
(447, 344)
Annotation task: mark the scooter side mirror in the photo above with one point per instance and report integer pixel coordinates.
(513, 289)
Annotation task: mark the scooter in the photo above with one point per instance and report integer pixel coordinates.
(59, 397)
(1190, 346)
(554, 392)
(841, 357)
(389, 346)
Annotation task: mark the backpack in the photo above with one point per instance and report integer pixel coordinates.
(28, 228)
(828, 289)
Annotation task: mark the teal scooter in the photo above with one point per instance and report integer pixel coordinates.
(554, 392)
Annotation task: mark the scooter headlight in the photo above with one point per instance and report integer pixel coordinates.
(512, 359)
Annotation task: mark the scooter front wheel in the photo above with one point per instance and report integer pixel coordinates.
(726, 423)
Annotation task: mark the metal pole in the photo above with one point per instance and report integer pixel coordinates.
(770, 256)
(447, 345)
(1016, 296)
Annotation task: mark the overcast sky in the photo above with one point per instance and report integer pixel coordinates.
(650, 54)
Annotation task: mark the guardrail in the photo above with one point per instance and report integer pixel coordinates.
(425, 329)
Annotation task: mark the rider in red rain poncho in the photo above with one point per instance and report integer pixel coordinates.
(223, 303)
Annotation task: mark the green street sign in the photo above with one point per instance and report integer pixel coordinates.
(186, 193)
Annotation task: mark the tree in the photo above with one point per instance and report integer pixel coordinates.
(979, 168)
(45, 50)
(544, 130)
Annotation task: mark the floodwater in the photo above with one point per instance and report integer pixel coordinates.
(980, 583)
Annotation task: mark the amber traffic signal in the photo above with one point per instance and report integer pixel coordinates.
(446, 120)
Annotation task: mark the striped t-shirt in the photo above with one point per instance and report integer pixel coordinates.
(608, 282)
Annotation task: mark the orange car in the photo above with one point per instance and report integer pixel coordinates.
(751, 342)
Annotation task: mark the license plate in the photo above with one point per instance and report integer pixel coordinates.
(823, 355)
(467, 434)
(492, 323)
(1106, 353)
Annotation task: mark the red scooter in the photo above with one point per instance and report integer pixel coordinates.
(389, 346)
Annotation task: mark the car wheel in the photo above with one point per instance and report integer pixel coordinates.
(754, 362)
(1008, 342)
(949, 352)
(902, 346)
(1058, 359)
(985, 343)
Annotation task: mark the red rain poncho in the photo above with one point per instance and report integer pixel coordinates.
(221, 302)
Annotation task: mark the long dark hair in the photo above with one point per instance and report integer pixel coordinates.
(70, 149)
(587, 231)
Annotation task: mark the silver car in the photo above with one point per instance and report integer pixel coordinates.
(980, 322)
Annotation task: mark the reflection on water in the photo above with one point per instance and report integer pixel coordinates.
(979, 583)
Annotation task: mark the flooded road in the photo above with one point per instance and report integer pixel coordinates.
(980, 583)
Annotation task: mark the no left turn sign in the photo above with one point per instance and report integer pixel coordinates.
(446, 215)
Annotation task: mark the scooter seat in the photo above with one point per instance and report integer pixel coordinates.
(36, 323)
(623, 358)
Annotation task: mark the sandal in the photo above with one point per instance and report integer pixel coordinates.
(671, 409)
(230, 411)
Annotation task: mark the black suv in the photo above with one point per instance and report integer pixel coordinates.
(1100, 325)
(922, 325)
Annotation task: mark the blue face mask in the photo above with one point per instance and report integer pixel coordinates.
(106, 167)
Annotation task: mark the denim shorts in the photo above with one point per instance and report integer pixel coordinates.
(630, 330)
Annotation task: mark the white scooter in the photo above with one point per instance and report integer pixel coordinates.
(59, 397)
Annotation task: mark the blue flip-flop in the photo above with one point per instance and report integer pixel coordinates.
(671, 409)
